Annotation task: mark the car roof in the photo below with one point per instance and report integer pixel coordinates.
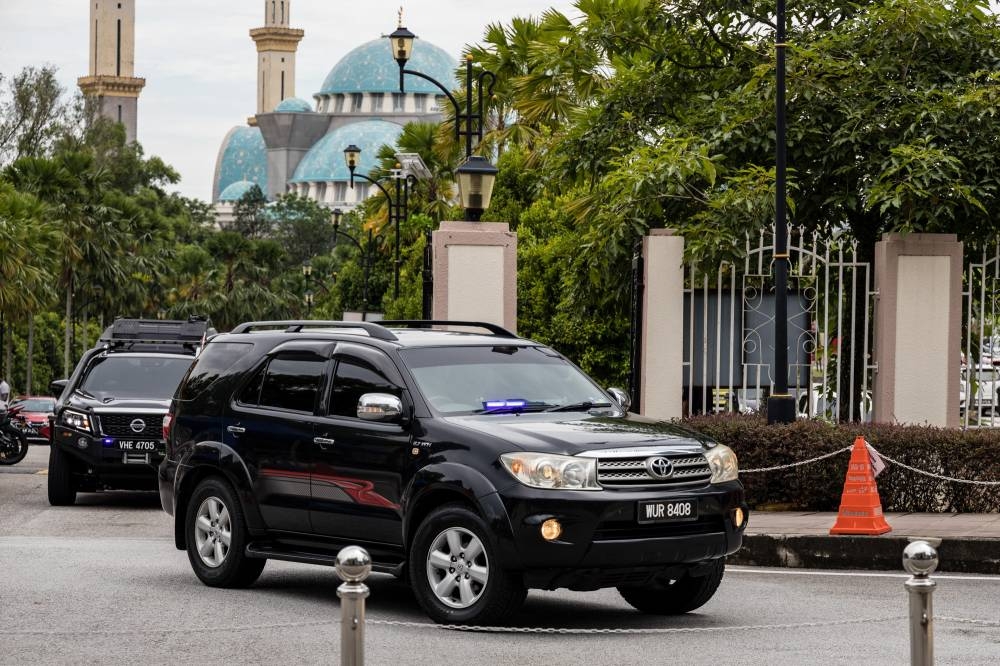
(144, 354)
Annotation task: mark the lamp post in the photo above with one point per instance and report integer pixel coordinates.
(397, 207)
(367, 255)
(479, 174)
(780, 404)
(308, 297)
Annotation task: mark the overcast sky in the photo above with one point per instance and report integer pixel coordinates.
(200, 64)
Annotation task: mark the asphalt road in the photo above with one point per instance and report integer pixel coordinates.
(101, 582)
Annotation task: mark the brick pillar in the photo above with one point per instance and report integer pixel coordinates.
(918, 329)
(475, 273)
(662, 325)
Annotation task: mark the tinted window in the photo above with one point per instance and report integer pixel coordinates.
(292, 383)
(153, 377)
(354, 378)
(216, 358)
(37, 404)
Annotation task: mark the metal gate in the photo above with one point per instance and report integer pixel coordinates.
(979, 388)
(729, 330)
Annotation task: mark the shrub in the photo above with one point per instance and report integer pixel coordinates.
(962, 454)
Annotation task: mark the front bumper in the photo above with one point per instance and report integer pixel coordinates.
(602, 543)
(102, 458)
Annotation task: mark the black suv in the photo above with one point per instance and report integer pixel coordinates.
(107, 429)
(477, 465)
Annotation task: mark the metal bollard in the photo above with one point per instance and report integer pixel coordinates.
(920, 559)
(353, 566)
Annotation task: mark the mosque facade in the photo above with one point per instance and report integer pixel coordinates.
(292, 145)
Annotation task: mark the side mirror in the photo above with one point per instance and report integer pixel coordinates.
(382, 407)
(56, 386)
(621, 397)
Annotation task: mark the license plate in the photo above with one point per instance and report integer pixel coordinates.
(668, 511)
(138, 445)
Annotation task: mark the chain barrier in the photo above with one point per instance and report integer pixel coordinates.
(898, 463)
(797, 464)
(932, 474)
(455, 627)
(968, 620)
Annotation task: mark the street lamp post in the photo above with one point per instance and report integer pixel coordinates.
(780, 404)
(308, 297)
(367, 256)
(397, 206)
(476, 173)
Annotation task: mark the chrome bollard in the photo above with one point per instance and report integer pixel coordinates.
(920, 559)
(353, 566)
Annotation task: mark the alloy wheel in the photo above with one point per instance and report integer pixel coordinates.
(457, 567)
(213, 531)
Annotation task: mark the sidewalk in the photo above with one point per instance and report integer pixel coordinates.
(971, 542)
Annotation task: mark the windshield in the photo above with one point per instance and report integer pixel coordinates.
(500, 379)
(37, 405)
(150, 377)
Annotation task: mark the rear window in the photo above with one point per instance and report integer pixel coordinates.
(152, 377)
(214, 360)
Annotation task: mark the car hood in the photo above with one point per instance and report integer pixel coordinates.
(570, 434)
(77, 401)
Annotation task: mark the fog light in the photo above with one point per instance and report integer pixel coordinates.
(738, 518)
(551, 529)
(82, 442)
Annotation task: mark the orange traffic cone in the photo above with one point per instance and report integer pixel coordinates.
(860, 507)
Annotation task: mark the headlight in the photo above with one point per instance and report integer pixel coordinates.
(77, 420)
(542, 470)
(722, 460)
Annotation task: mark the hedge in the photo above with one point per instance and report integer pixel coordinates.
(962, 454)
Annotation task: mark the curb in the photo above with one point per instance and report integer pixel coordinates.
(882, 553)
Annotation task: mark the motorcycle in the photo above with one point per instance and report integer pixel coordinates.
(13, 443)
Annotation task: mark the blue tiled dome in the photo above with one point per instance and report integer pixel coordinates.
(370, 68)
(325, 161)
(236, 191)
(243, 157)
(293, 105)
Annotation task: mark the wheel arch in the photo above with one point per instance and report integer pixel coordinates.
(452, 483)
(214, 459)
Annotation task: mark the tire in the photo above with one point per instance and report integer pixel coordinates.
(679, 596)
(18, 448)
(216, 563)
(487, 594)
(62, 487)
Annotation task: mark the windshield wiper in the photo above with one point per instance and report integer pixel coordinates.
(516, 408)
(584, 406)
(86, 394)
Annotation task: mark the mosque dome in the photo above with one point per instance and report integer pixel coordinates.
(325, 160)
(242, 157)
(236, 191)
(370, 68)
(293, 105)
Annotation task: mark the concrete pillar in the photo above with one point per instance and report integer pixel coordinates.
(918, 329)
(475, 273)
(660, 393)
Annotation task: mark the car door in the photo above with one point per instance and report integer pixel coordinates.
(358, 466)
(271, 425)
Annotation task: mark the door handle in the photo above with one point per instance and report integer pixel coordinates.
(324, 442)
(236, 430)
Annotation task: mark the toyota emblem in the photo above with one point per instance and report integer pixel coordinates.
(659, 467)
(138, 425)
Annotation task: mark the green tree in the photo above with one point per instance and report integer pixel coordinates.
(249, 215)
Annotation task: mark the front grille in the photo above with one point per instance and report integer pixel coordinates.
(120, 425)
(632, 471)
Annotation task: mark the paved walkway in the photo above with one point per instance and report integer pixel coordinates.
(942, 525)
(970, 542)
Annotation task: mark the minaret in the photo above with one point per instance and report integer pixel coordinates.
(276, 46)
(112, 83)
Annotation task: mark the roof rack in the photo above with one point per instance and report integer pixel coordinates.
(498, 331)
(129, 332)
(295, 326)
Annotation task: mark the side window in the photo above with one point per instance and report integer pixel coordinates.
(292, 382)
(250, 395)
(352, 379)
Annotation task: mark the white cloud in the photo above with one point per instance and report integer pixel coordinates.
(200, 64)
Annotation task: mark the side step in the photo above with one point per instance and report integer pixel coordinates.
(270, 551)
